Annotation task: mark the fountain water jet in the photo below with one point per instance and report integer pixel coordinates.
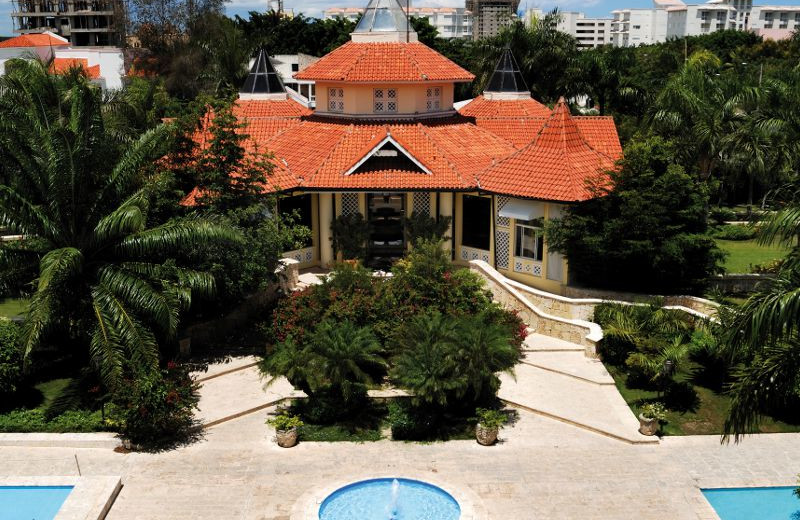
(393, 503)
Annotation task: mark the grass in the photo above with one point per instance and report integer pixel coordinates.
(744, 253)
(702, 413)
(11, 307)
(339, 433)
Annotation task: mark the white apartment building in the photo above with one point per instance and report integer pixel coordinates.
(774, 21)
(589, 31)
(286, 65)
(450, 22)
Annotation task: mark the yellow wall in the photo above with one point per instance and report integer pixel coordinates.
(358, 98)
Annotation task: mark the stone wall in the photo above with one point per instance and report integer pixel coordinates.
(576, 331)
(740, 283)
(693, 303)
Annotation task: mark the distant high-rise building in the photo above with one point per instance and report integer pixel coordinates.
(82, 22)
(590, 32)
(489, 16)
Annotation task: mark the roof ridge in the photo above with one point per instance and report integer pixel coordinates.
(356, 61)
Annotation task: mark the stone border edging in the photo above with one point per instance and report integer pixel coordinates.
(109, 440)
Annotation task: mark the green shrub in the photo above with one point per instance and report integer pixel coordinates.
(719, 215)
(349, 234)
(158, 408)
(422, 227)
(285, 421)
(409, 422)
(768, 267)
(490, 418)
(735, 232)
(654, 410)
(80, 421)
(10, 357)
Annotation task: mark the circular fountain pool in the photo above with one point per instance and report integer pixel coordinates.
(389, 499)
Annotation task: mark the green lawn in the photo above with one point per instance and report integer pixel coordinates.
(10, 307)
(744, 253)
(704, 416)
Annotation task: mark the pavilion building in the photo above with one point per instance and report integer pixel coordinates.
(385, 140)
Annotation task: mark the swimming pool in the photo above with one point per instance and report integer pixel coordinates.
(763, 503)
(32, 502)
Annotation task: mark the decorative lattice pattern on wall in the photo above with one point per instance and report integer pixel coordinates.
(469, 253)
(350, 203)
(502, 221)
(422, 203)
(521, 265)
(303, 256)
(502, 239)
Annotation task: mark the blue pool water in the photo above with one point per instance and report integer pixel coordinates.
(766, 503)
(31, 502)
(390, 499)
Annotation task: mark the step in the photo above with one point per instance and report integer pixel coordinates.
(570, 364)
(535, 342)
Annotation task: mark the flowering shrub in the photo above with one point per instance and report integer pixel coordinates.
(157, 408)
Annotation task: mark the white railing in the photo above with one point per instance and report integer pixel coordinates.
(471, 253)
(527, 266)
(303, 256)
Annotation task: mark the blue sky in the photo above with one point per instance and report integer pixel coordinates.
(315, 7)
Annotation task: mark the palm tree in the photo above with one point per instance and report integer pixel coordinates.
(337, 360)
(99, 271)
(765, 337)
(484, 350)
(424, 361)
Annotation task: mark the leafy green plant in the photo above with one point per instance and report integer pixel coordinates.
(349, 234)
(10, 356)
(655, 410)
(719, 215)
(734, 232)
(422, 227)
(489, 418)
(285, 421)
(768, 267)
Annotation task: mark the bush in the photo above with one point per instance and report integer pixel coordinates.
(768, 267)
(349, 236)
(156, 409)
(409, 422)
(654, 410)
(10, 357)
(719, 215)
(82, 421)
(735, 232)
(490, 418)
(420, 227)
(285, 421)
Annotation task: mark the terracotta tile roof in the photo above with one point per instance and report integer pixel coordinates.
(558, 165)
(34, 40)
(493, 108)
(61, 65)
(375, 62)
(269, 108)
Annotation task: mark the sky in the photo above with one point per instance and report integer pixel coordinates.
(316, 7)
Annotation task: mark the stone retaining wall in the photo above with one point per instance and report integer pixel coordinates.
(698, 305)
(576, 331)
(740, 283)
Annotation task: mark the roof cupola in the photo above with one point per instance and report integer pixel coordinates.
(506, 81)
(384, 21)
(263, 82)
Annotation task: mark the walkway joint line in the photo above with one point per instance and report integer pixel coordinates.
(567, 374)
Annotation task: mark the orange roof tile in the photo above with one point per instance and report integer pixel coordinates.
(269, 108)
(492, 108)
(369, 62)
(558, 165)
(61, 65)
(34, 40)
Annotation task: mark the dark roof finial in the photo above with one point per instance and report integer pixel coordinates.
(262, 78)
(506, 76)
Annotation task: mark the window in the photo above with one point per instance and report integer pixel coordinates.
(433, 99)
(297, 208)
(335, 100)
(529, 240)
(476, 216)
(295, 67)
(384, 100)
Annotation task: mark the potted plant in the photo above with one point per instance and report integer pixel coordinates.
(286, 426)
(650, 415)
(489, 423)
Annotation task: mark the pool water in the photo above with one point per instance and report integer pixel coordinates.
(374, 499)
(31, 502)
(765, 503)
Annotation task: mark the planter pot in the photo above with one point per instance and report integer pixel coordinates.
(286, 438)
(486, 436)
(647, 425)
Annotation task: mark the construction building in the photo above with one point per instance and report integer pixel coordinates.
(82, 22)
(489, 16)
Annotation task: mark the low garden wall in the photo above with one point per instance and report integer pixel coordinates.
(578, 331)
(739, 283)
(707, 308)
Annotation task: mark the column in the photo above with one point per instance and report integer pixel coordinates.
(325, 216)
(445, 209)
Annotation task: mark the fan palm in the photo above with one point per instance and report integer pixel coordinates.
(484, 349)
(98, 271)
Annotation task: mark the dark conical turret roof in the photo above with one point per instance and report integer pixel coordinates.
(506, 76)
(262, 78)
